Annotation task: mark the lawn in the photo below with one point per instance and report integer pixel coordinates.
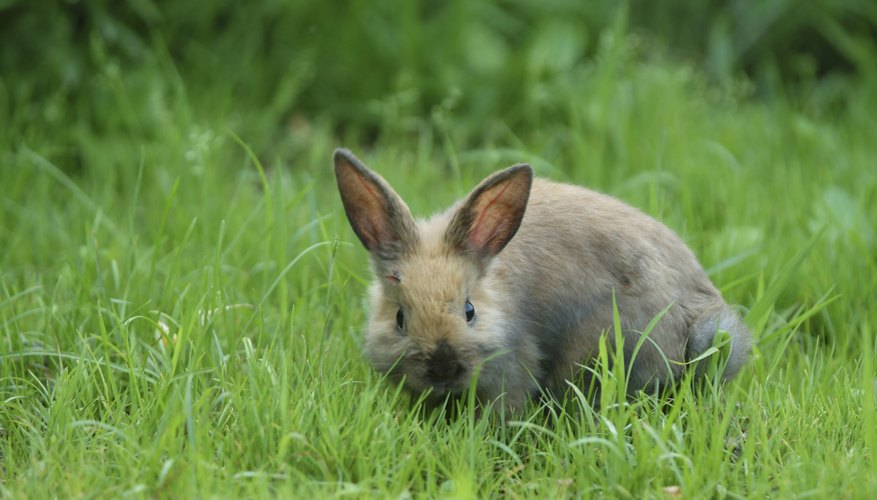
(182, 299)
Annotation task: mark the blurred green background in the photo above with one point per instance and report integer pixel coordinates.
(379, 69)
(162, 162)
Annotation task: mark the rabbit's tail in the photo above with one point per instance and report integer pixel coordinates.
(734, 345)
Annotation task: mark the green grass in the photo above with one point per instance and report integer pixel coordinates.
(181, 299)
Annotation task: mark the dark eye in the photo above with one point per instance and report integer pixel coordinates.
(400, 318)
(470, 312)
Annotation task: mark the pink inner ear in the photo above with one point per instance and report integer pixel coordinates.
(367, 230)
(497, 217)
(393, 278)
(488, 226)
(366, 209)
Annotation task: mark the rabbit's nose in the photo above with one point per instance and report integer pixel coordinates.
(443, 365)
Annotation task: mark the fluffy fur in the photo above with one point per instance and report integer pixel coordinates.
(539, 262)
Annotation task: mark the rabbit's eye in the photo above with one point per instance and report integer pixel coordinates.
(400, 318)
(470, 312)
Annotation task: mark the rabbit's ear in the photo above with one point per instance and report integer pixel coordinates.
(377, 214)
(491, 214)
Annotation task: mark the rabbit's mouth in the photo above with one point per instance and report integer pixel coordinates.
(420, 378)
(454, 387)
(423, 381)
(443, 369)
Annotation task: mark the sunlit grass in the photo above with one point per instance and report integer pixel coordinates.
(181, 312)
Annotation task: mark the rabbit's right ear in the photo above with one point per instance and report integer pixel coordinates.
(491, 214)
(377, 214)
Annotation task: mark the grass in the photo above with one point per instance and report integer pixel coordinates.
(181, 299)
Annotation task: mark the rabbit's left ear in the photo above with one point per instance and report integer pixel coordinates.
(492, 213)
(377, 214)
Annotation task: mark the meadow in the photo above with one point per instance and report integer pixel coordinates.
(182, 299)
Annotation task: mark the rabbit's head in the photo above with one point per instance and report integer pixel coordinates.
(435, 315)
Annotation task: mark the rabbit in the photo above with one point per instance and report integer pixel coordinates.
(513, 287)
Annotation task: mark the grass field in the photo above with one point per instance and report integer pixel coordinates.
(181, 298)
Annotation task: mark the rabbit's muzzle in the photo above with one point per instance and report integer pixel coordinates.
(443, 367)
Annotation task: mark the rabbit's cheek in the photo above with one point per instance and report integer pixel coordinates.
(386, 349)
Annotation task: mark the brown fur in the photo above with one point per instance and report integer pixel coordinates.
(539, 261)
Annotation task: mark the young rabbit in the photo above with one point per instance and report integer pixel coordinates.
(516, 283)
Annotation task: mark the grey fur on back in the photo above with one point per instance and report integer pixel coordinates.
(567, 302)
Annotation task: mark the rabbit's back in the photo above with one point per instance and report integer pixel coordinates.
(576, 248)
